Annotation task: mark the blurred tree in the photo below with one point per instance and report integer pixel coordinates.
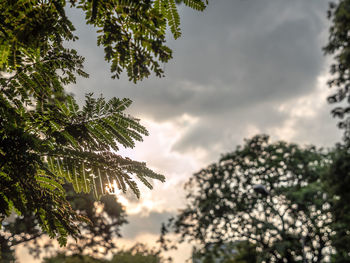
(337, 180)
(7, 251)
(136, 254)
(246, 253)
(337, 185)
(233, 252)
(139, 253)
(289, 224)
(45, 139)
(95, 238)
(338, 45)
(62, 258)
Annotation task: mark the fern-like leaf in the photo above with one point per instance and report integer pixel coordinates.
(173, 17)
(195, 4)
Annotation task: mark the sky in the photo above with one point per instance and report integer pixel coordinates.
(240, 68)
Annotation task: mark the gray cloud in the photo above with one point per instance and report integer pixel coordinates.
(139, 224)
(239, 53)
(235, 63)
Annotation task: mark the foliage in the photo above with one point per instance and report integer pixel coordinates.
(131, 32)
(246, 253)
(338, 45)
(289, 224)
(62, 258)
(337, 179)
(337, 185)
(46, 140)
(106, 217)
(75, 148)
(7, 252)
(136, 254)
(235, 252)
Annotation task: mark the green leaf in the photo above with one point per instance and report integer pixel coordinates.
(173, 18)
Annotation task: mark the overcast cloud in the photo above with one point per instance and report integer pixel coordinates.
(235, 64)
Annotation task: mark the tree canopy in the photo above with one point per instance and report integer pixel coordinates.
(139, 253)
(96, 238)
(233, 252)
(338, 45)
(337, 185)
(287, 222)
(46, 139)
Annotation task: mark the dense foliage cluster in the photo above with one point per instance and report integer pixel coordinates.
(338, 45)
(139, 253)
(106, 216)
(337, 185)
(46, 139)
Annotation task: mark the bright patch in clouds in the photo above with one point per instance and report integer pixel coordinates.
(304, 109)
(157, 151)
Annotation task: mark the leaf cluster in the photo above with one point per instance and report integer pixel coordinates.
(132, 33)
(139, 253)
(96, 238)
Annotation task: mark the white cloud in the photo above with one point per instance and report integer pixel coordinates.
(157, 151)
(307, 117)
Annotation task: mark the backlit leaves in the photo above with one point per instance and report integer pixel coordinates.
(46, 139)
(196, 4)
(132, 33)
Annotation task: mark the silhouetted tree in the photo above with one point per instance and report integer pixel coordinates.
(289, 224)
(338, 45)
(62, 258)
(233, 252)
(139, 253)
(337, 185)
(96, 238)
(337, 180)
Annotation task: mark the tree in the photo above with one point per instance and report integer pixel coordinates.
(337, 185)
(46, 139)
(139, 253)
(338, 45)
(246, 253)
(62, 258)
(289, 224)
(96, 238)
(234, 252)
(337, 179)
(136, 254)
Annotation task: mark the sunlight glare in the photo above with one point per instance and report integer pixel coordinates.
(113, 189)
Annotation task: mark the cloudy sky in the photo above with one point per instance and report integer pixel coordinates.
(241, 67)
